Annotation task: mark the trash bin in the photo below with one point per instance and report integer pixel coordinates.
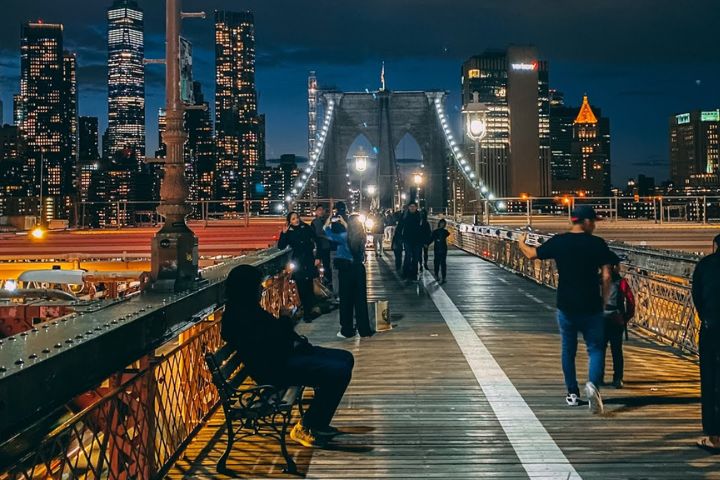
(382, 316)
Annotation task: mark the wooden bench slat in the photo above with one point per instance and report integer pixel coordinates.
(223, 353)
(230, 368)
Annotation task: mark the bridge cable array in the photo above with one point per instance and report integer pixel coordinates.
(304, 178)
(459, 156)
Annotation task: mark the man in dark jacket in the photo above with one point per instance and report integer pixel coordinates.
(413, 238)
(322, 252)
(705, 288)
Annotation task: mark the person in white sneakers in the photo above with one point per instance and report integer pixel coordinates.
(580, 257)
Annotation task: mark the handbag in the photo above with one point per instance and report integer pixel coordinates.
(321, 291)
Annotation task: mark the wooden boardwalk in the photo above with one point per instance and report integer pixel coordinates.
(416, 409)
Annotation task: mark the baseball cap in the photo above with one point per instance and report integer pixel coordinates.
(583, 212)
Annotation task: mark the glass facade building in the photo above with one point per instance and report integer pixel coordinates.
(236, 117)
(126, 80)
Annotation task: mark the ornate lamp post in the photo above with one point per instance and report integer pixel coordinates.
(175, 247)
(361, 163)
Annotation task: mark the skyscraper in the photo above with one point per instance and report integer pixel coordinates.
(126, 80)
(236, 117)
(694, 145)
(46, 110)
(88, 139)
(562, 119)
(580, 138)
(512, 86)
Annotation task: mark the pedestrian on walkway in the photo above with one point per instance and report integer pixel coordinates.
(580, 256)
(350, 262)
(397, 242)
(440, 249)
(390, 223)
(275, 355)
(412, 238)
(619, 310)
(299, 236)
(706, 296)
(426, 233)
(323, 246)
(377, 229)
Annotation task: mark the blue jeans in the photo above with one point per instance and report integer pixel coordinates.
(592, 327)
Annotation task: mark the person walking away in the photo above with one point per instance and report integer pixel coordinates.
(390, 223)
(619, 310)
(299, 236)
(397, 242)
(350, 261)
(440, 249)
(580, 256)
(705, 294)
(378, 233)
(426, 239)
(412, 238)
(323, 246)
(275, 355)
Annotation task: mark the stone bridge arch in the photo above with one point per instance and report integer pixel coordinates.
(384, 118)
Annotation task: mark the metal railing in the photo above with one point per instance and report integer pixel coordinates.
(660, 280)
(135, 424)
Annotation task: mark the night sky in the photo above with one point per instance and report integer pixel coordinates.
(639, 60)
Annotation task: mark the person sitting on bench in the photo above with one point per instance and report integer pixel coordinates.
(275, 354)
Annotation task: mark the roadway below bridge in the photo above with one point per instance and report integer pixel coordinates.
(127, 248)
(685, 236)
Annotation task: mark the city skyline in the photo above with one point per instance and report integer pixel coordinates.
(631, 81)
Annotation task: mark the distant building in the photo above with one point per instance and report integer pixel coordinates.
(694, 145)
(585, 169)
(126, 80)
(13, 175)
(88, 140)
(46, 111)
(236, 117)
(562, 120)
(199, 154)
(512, 85)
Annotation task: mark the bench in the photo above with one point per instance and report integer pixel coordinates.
(250, 409)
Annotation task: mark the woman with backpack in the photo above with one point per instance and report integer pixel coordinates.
(618, 312)
(350, 237)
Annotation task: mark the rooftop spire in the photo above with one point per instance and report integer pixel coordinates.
(586, 114)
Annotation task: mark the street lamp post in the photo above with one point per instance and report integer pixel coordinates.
(476, 126)
(174, 256)
(417, 180)
(361, 163)
(371, 190)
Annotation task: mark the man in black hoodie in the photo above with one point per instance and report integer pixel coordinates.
(705, 288)
(413, 239)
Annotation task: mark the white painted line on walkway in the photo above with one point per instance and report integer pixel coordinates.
(539, 454)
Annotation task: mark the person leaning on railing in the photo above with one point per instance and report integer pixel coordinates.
(274, 354)
(706, 297)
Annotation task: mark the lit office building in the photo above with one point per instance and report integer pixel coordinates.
(88, 154)
(694, 145)
(580, 144)
(511, 87)
(46, 110)
(126, 80)
(236, 117)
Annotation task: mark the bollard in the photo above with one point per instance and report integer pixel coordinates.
(382, 316)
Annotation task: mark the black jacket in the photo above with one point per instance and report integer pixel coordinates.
(264, 342)
(706, 291)
(411, 229)
(439, 240)
(322, 241)
(302, 241)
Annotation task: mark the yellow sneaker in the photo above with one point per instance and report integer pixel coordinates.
(304, 436)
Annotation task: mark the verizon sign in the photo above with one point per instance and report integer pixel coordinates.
(524, 66)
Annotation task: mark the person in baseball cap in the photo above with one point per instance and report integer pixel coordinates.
(582, 214)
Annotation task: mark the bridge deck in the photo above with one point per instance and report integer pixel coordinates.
(417, 407)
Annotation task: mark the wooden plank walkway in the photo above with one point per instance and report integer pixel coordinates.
(416, 408)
